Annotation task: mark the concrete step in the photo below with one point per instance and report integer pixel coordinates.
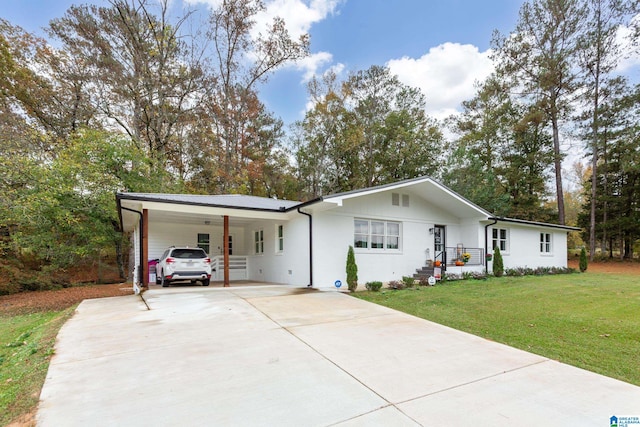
(423, 273)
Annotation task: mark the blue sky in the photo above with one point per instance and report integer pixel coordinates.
(439, 46)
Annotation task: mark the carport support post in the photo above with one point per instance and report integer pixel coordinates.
(144, 280)
(226, 251)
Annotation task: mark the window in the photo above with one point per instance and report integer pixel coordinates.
(203, 241)
(280, 238)
(500, 239)
(393, 235)
(545, 243)
(361, 233)
(259, 241)
(405, 200)
(376, 235)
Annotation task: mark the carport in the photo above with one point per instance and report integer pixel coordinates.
(238, 232)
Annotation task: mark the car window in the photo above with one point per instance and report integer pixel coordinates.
(188, 253)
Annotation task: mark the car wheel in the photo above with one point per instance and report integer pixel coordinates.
(164, 281)
(157, 279)
(205, 282)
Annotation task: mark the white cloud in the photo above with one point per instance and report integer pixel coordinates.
(298, 15)
(310, 65)
(211, 3)
(631, 55)
(446, 75)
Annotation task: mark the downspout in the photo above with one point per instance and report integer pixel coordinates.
(310, 247)
(486, 242)
(139, 272)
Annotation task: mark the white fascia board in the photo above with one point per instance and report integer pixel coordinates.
(213, 210)
(337, 199)
(340, 197)
(533, 224)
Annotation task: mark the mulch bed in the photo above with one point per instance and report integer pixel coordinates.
(30, 302)
(613, 266)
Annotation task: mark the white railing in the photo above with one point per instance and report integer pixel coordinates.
(238, 267)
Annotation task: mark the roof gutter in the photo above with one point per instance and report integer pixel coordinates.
(139, 270)
(125, 196)
(310, 285)
(535, 223)
(486, 242)
(305, 204)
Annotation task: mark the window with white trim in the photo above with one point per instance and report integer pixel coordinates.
(203, 241)
(376, 235)
(500, 239)
(280, 238)
(545, 243)
(258, 239)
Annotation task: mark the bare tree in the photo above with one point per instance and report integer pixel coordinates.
(244, 57)
(144, 75)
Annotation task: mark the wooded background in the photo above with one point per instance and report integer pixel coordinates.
(126, 97)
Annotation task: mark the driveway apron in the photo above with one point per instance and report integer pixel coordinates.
(283, 356)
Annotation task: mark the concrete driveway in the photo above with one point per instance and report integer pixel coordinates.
(275, 355)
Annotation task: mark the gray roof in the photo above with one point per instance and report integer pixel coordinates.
(237, 201)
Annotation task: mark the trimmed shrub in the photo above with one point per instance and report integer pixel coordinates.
(408, 281)
(396, 284)
(373, 286)
(583, 260)
(539, 271)
(352, 270)
(498, 264)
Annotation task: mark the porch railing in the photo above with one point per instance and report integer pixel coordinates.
(451, 255)
(238, 266)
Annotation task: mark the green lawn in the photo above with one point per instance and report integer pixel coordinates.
(587, 320)
(26, 344)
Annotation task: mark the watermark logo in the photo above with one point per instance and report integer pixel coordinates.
(624, 421)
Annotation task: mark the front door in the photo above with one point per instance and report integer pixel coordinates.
(439, 243)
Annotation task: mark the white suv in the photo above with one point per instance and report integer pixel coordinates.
(183, 264)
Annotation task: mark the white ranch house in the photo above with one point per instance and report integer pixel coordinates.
(395, 229)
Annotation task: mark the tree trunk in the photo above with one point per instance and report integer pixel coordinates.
(605, 190)
(120, 258)
(557, 161)
(594, 176)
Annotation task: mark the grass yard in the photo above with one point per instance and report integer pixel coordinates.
(29, 323)
(27, 342)
(589, 320)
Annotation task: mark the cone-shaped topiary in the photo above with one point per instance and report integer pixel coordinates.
(498, 265)
(583, 260)
(352, 270)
